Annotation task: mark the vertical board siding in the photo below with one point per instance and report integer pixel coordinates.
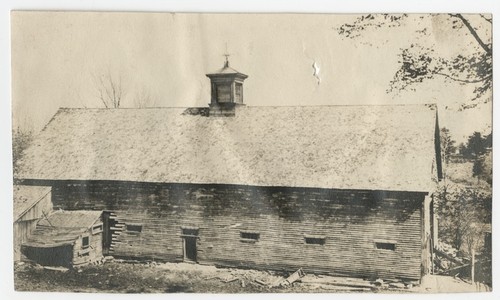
(26, 223)
(349, 220)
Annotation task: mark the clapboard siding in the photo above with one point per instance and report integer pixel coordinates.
(90, 254)
(349, 220)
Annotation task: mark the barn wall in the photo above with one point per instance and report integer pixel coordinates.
(350, 221)
(25, 225)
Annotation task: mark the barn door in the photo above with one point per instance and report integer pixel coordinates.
(190, 238)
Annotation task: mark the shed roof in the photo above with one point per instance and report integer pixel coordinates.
(62, 228)
(343, 147)
(25, 197)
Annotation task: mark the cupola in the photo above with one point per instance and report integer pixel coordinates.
(226, 90)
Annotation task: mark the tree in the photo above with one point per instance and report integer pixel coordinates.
(447, 144)
(483, 168)
(488, 140)
(21, 139)
(110, 90)
(476, 149)
(419, 63)
(476, 145)
(478, 168)
(144, 98)
(463, 213)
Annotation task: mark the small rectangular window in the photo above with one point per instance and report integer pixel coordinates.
(315, 240)
(385, 246)
(249, 236)
(224, 93)
(85, 242)
(239, 92)
(134, 227)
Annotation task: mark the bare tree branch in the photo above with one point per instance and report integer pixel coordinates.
(110, 90)
(485, 18)
(143, 99)
(463, 80)
(473, 32)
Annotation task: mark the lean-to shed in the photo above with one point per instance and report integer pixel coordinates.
(31, 203)
(66, 238)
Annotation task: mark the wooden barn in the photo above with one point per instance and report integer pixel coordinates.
(343, 190)
(66, 238)
(31, 203)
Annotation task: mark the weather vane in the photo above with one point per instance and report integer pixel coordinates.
(226, 54)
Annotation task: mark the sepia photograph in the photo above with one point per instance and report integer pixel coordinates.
(159, 152)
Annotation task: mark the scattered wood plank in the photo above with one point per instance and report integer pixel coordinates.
(60, 269)
(294, 277)
(340, 282)
(396, 285)
(452, 269)
(448, 256)
(228, 280)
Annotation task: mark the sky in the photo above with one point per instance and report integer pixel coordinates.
(56, 57)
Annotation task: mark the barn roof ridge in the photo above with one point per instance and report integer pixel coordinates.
(430, 105)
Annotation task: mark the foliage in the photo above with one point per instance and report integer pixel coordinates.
(483, 168)
(419, 63)
(21, 139)
(476, 145)
(364, 22)
(464, 214)
(447, 144)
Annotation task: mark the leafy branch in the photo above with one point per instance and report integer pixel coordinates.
(418, 63)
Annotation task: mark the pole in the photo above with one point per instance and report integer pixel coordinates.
(472, 268)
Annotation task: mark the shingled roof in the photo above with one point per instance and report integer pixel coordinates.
(62, 228)
(343, 147)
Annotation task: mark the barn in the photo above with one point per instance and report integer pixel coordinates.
(343, 190)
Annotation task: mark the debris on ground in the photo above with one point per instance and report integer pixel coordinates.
(59, 269)
(294, 277)
(260, 282)
(228, 280)
(157, 277)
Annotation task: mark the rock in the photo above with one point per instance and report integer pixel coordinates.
(378, 282)
(397, 285)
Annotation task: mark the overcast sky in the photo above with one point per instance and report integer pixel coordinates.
(56, 55)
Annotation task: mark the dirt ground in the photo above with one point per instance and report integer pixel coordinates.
(137, 277)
